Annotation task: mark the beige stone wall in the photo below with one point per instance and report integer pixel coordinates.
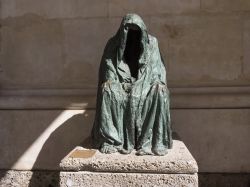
(49, 57)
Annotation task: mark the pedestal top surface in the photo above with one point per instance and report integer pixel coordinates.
(178, 160)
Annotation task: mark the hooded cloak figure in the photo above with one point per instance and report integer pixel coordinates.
(132, 99)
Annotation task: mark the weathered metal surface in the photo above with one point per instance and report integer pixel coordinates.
(133, 99)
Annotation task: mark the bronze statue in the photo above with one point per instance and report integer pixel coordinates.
(132, 110)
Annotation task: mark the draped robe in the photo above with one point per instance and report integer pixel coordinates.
(132, 110)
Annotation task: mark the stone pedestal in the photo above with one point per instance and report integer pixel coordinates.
(86, 167)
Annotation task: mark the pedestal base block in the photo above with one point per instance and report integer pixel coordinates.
(88, 179)
(88, 167)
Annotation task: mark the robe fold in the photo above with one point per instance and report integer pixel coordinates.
(132, 110)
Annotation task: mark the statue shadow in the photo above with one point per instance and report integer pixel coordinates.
(74, 132)
(176, 136)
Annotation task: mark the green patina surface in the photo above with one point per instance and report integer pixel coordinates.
(133, 99)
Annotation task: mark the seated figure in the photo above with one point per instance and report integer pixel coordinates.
(132, 110)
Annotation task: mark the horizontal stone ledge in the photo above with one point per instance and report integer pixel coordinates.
(92, 91)
(181, 98)
(177, 160)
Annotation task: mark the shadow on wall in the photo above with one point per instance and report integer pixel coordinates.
(41, 140)
(73, 132)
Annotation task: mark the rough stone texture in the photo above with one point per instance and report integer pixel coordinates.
(178, 160)
(11, 178)
(70, 179)
(127, 179)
